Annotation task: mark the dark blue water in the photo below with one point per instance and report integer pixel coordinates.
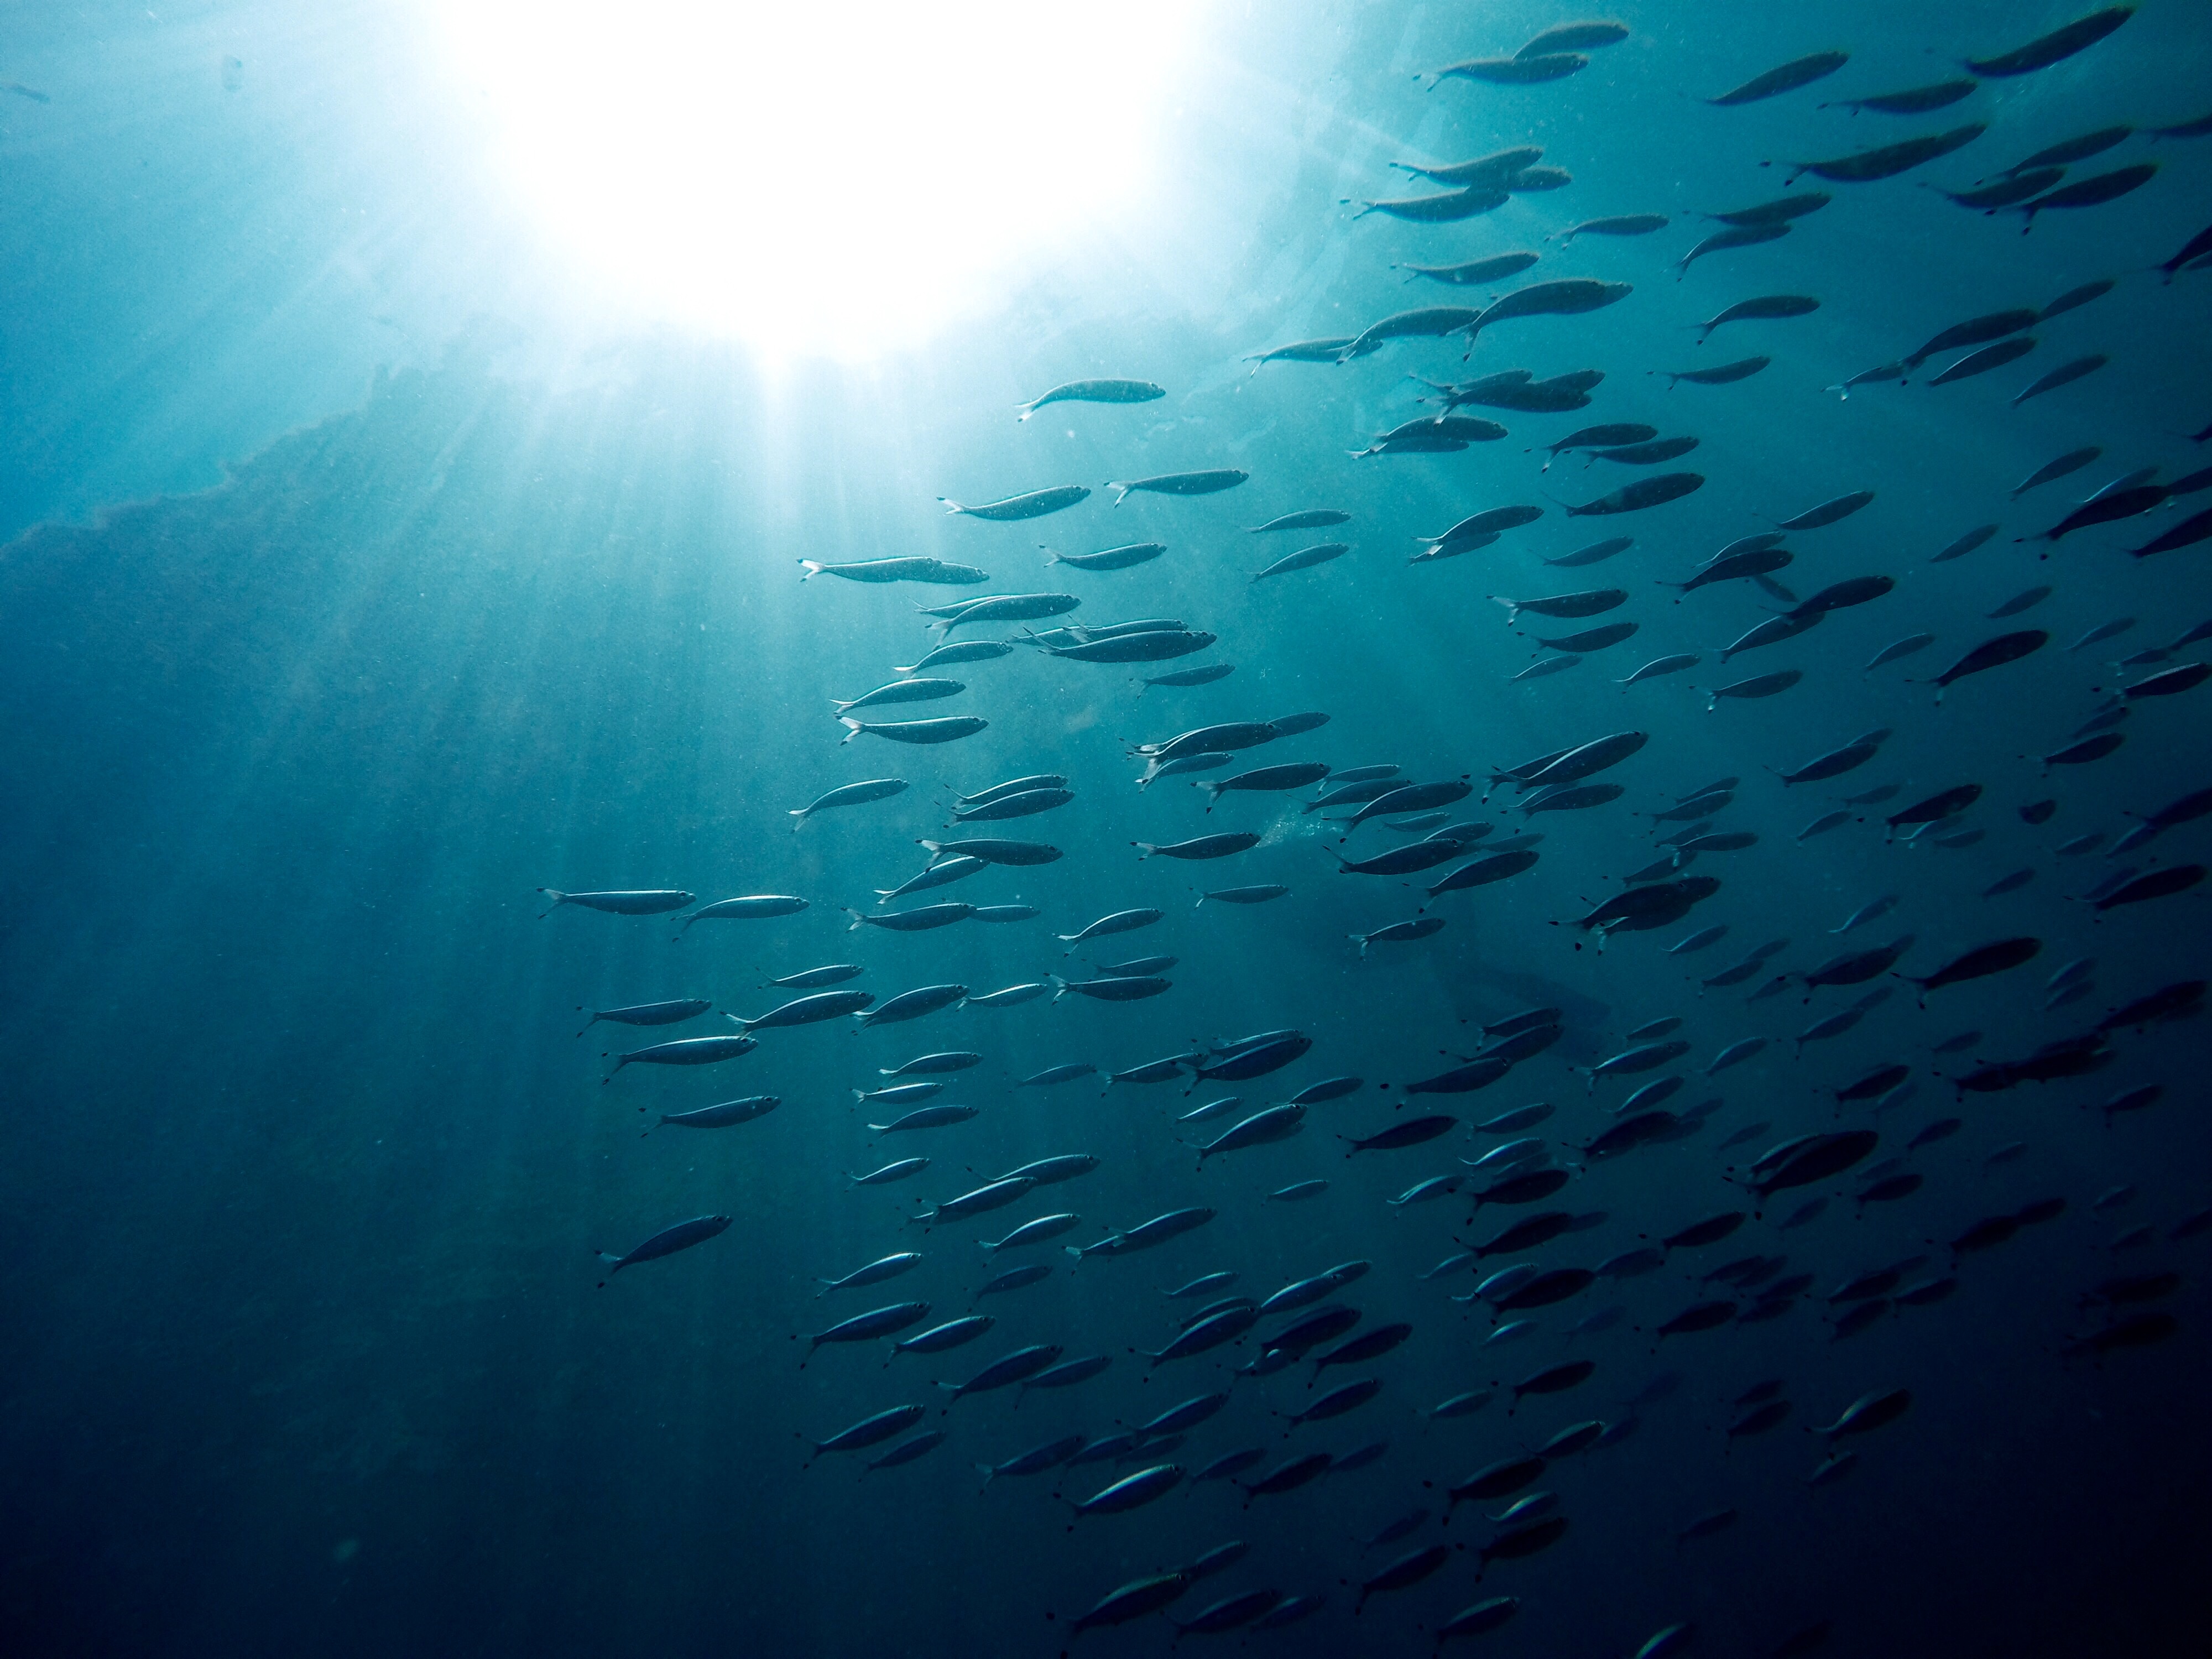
(304, 1165)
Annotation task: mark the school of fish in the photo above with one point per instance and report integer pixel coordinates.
(1510, 1142)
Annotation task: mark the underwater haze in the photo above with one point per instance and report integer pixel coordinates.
(1566, 928)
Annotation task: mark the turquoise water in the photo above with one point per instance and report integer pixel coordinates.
(313, 687)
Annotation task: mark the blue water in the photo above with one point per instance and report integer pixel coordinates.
(311, 688)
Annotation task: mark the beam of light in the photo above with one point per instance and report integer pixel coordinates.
(832, 179)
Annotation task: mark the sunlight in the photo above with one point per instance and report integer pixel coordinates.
(840, 180)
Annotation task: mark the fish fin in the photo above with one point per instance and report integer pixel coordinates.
(853, 730)
(813, 567)
(951, 505)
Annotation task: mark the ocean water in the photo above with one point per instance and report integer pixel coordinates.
(358, 588)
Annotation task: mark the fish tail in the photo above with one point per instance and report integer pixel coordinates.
(558, 897)
(1123, 488)
(1060, 983)
(951, 505)
(853, 728)
(811, 568)
(1027, 410)
(1145, 848)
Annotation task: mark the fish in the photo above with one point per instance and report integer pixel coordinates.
(1766, 307)
(1661, 665)
(2009, 191)
(1118, 922)
(1648, 454)
(1571, 296)
(2108, 507)
(1303, 351)
(684, 1236)
(1034, 505)
(2191, 530)
(1024, 804)
(1723, 374)
(1317, 517)
(1913, 101)
(1643, 493)
(950, 729)
(1592, 602)
(929, 1065)
(1111, 558)
(852, 794)
(1446, 208)
(1993, 653)
(724, 1115)
(1429, 322)
(1189, 677)
(807, 1010)
(1595, 553)
(649, 1013)
(936, 572)
(1200, 483)
(1413, 1131)
(1095, 391)
(1989, 357)
(959, 652)
(1399, 931)
(1974, 332)
(1761, 685)
(687, 1051)
(1624, 224)
(2054, 48)
(1142, 645)
(1887, 160)
(1786, 77)
(1964, 545)
(1589, 640)
(1600, 437)
(927, 1117)
(2072, 461)
(1477, 272)
(2065, 375)
(652, 902)
(2159, 884)
(1733, 236)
